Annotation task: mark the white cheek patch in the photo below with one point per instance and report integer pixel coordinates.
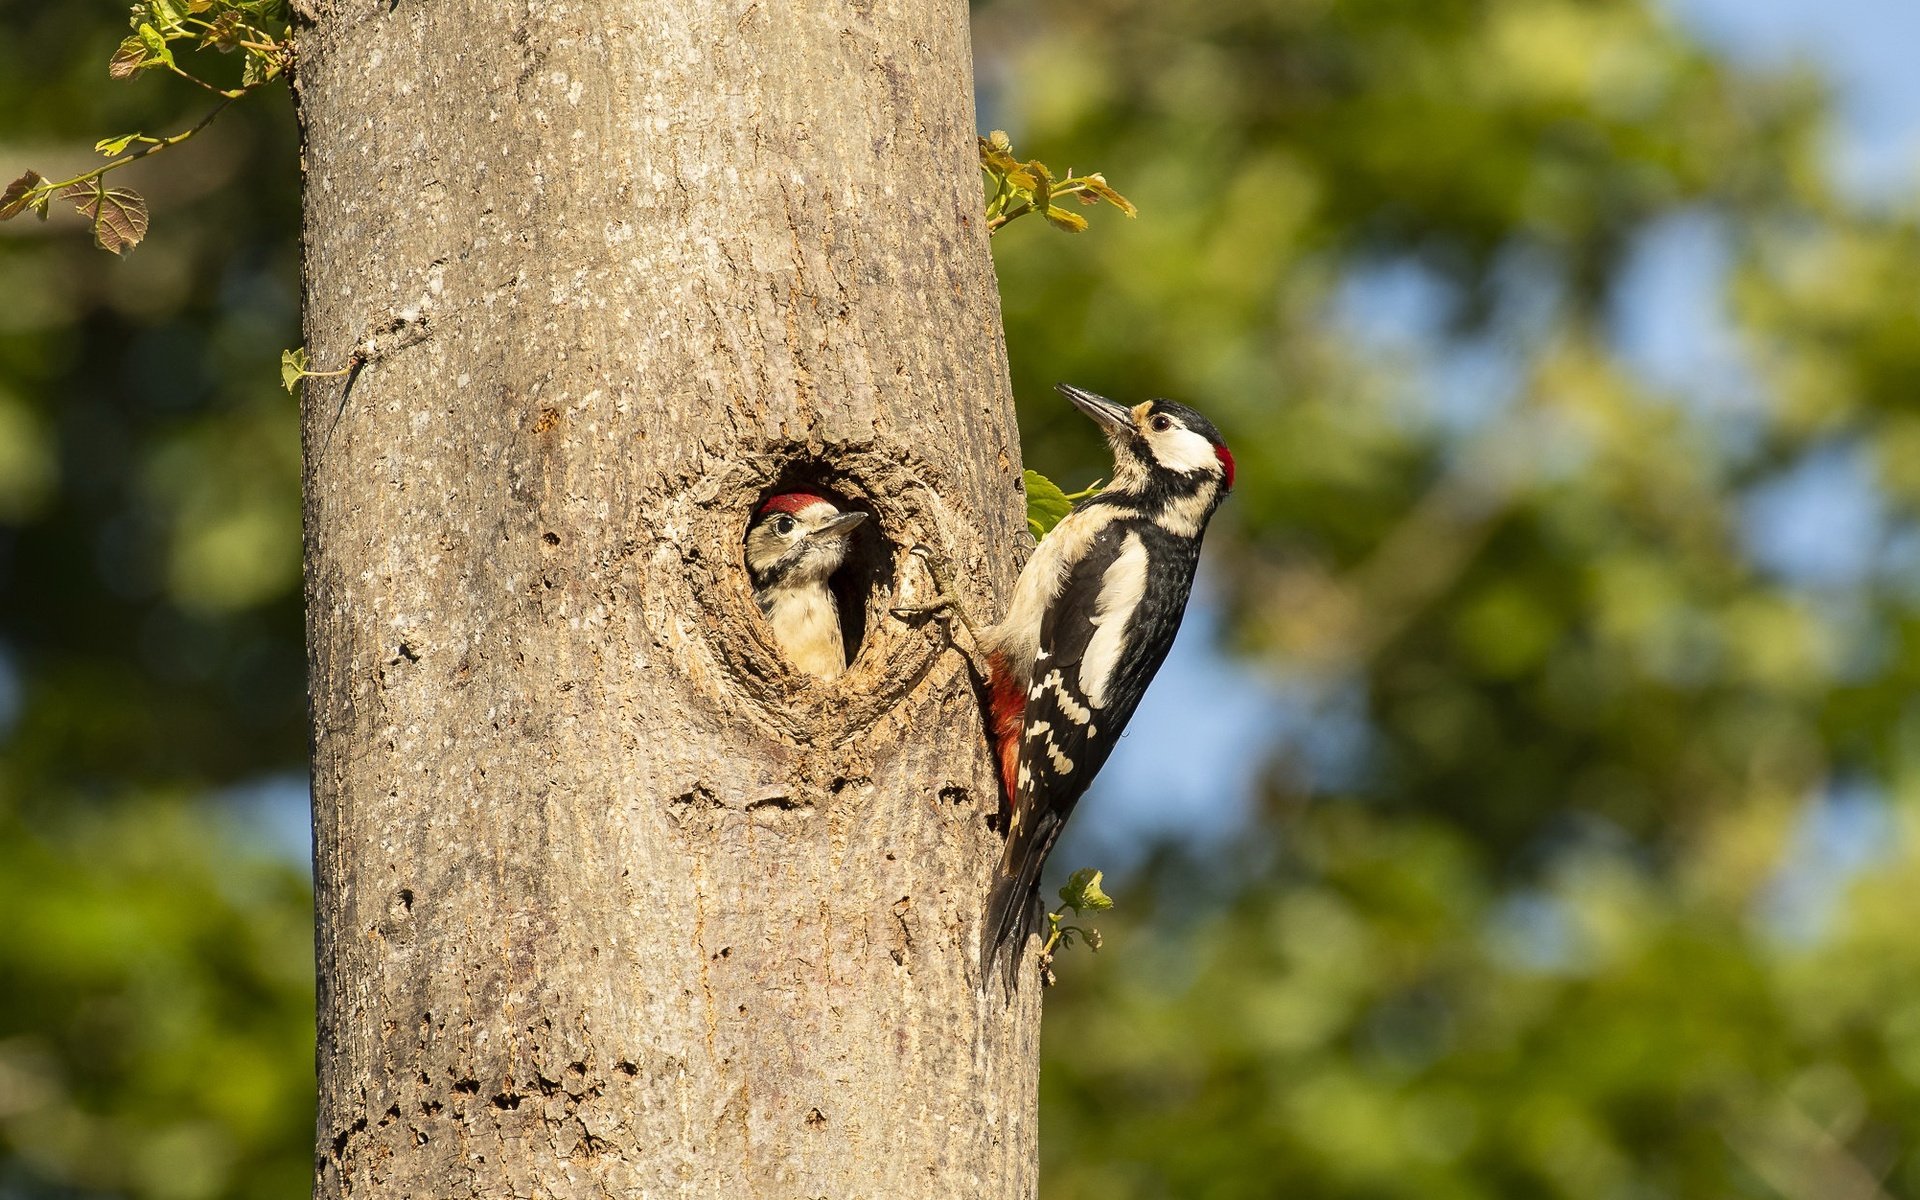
(1184, 450)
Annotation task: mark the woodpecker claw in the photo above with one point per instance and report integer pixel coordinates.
(945, 600)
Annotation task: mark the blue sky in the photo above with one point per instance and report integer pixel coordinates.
(1866, 48)
(1209, 723)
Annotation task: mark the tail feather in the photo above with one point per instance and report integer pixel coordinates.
(1013, 908)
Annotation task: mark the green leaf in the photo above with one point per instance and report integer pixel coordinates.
(156, 44)
(260, 67)
(1047, 505)
(293, 365)
(1082, 892)
(19, 194)
(996, 161)
(164, 13)
(116, 145)
(119, 215)
(1067, 219)
(224, 32)
(128, 60)
(1097, 185)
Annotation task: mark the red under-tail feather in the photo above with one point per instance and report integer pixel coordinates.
(1007, 703)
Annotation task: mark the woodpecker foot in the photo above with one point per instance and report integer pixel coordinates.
(946, 600)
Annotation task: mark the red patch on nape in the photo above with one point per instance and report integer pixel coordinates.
(792, 502)
(1226, 463)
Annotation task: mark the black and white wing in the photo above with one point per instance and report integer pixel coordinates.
(1101, 641)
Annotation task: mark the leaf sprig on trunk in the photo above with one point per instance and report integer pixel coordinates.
(1047, 505)
(255, 29)
(1016, 188)
(1083, 895)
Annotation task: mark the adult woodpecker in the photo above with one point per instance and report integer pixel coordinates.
(1093, 615)
(797, 540)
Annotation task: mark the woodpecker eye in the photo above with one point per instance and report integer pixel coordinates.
(1161, 423)
(783, 524)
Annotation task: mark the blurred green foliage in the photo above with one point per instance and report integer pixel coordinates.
(156, 989)
(1609, 894)
(1613, 897)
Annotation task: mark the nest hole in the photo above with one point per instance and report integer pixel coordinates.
(862, 584)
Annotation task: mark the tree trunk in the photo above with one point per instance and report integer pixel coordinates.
(611, 901)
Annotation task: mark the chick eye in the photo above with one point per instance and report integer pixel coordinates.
(783, 525)
(1161, 423)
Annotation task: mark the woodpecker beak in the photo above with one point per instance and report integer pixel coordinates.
(1111, 417)
(841, 525)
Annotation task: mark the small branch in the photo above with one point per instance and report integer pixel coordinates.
(151, 145)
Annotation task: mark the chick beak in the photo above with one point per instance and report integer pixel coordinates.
(1113, 418)
(840, 526)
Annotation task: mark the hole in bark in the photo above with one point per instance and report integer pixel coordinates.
(406, 898)
(626, 1068)
(341, 1139)
(469, 1086)
(862, 582)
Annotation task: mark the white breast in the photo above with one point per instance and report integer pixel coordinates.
(1017, 638)
(806, 623)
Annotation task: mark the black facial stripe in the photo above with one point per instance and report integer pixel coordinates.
(772, 575)
(1188, 417)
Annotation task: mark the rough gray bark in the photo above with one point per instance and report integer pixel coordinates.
(611, 901)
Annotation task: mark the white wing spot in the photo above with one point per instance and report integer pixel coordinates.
(1039, 729)
(1121, 587)
(1061, 762)
(1072, 709)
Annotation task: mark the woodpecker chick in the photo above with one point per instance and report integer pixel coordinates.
(1093, 615)
(797, 541)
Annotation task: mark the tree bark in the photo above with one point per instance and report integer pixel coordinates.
(611, 900)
